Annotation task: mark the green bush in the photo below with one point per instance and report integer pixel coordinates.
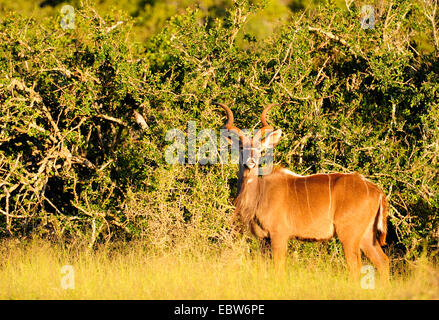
(75, 163)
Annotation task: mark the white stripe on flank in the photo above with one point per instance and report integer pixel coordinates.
(330, 195)
(249, 180)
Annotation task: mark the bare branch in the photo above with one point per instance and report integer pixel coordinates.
(140, 120)
(112, 119)
(109, 29)
(330, 35)
(429, 10)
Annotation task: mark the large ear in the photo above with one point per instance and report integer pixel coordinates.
(271, 140)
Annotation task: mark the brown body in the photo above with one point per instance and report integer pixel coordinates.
(282, 205)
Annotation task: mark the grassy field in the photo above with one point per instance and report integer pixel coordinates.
(33, 270)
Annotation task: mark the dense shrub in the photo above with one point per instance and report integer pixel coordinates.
(75, 162)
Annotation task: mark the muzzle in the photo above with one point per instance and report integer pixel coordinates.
(251, 161)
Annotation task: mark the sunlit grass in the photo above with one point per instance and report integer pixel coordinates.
(32, 270)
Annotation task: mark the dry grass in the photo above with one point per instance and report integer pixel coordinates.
(32, 270)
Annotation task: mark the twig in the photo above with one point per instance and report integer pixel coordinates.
(285, 59)
(348, 4)
(109, 29)
(431, 16)
(334, 37)
(112, 119)
(320, 71)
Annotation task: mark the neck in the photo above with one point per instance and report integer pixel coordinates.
(247, 178)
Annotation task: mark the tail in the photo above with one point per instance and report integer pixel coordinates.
(382, 219)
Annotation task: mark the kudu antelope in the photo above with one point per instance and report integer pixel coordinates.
(283, 205)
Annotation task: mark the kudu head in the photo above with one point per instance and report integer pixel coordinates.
(250, 149)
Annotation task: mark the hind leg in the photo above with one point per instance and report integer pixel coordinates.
(369, 245)
(279, 244)
(350, 229)
(350, 239)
